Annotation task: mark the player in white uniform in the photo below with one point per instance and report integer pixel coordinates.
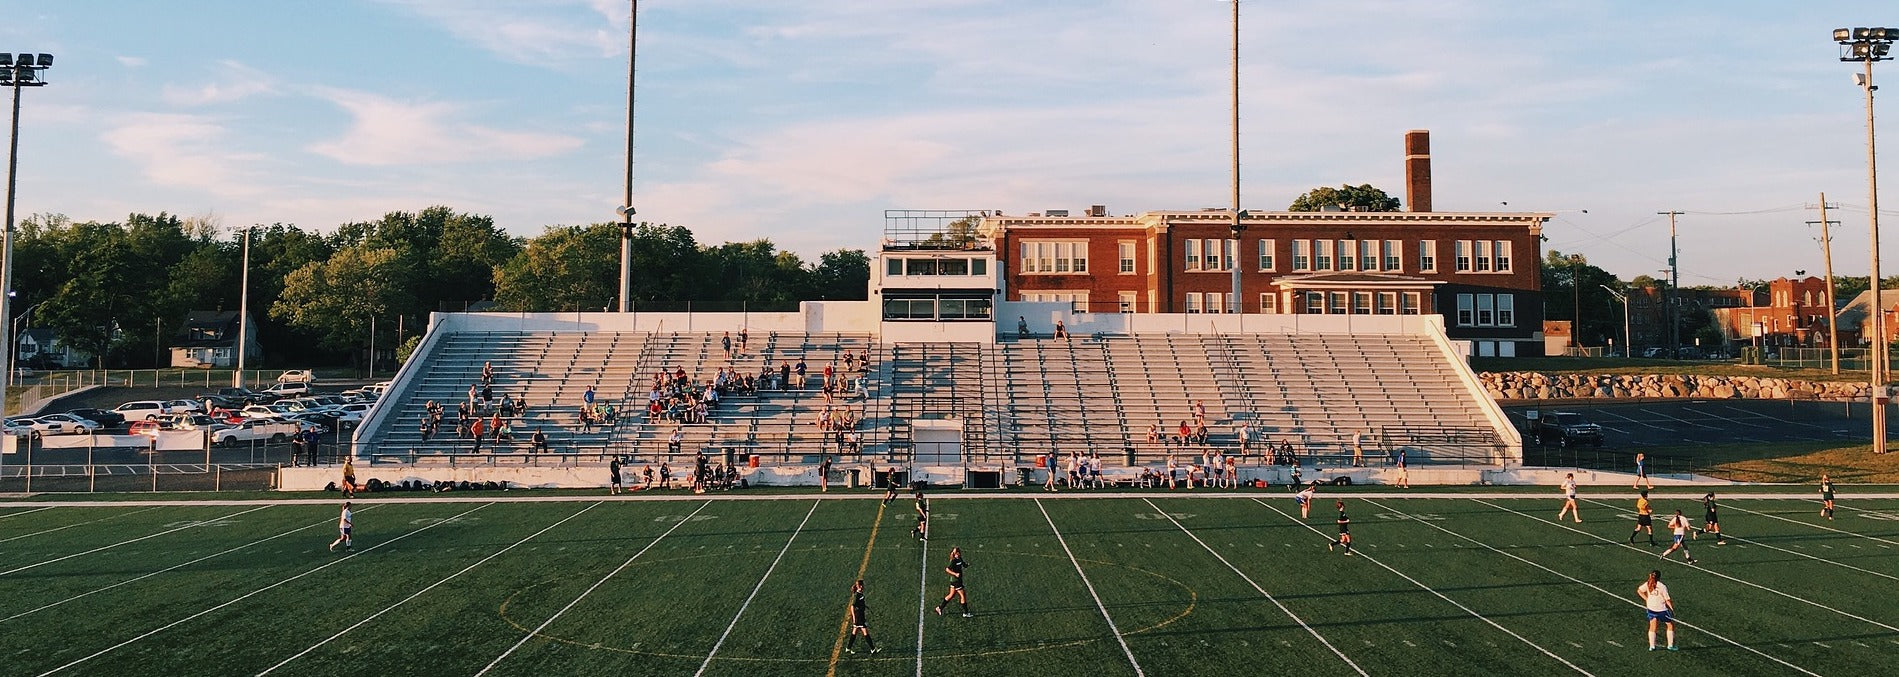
(1679, 525)
(343, 525)
(1661, 607)
(1569, 499)
(1304, 499)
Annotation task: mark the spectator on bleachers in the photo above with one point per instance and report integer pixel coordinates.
(1153, 433)
(474, 393)
(850, 362)
(744, 337)
(673, 443)
(1021, 327)
(508, 407)
(1245, 435)
(1200, 434)
(476, 429)
(784, 376)
(1061, 330)
(487, 373)
(1199, 412)
(435, 411)
(830, 373)
(587, 397)
(1184, 435)
(503, 431)
(427, 427)
(726, 342)
(646, 477)
(665, 476)
(538, 442)
(607, 414)
(586, 419)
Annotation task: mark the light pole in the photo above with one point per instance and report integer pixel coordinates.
(626, 206)
(1867, 45)
(25, 70)
(1239, 227)
(243, 312)
(1575, 290)
(1628, 348)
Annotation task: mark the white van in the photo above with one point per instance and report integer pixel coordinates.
(143, 410)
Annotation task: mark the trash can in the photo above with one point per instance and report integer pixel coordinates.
(853, 480)
(1129, 456)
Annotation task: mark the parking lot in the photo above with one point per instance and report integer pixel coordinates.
(1714, 422)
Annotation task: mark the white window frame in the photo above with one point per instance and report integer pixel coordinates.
(1462, 250)
(1193, 303)
(1361, 303)
(1266, 255)
(1125, 251)
(1482, 249)
(1486, 310)
(1394, 256)
(1411, 303)
(1321, 254)
(1466, 310)
(1315, 303)
(1427, 256)
(1387, 303)
(1506, 310)
(1054, 257)
(1127, 300)
(1338, 303)
(1190, 250)
(1301, 255)
(1503, 256)
(1268, 303)
(1368, 255)
(1347, 251)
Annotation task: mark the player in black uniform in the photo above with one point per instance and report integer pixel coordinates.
(1345, 531)
(922, 530)
(860, 619)
(955, 570)
(1711, 522)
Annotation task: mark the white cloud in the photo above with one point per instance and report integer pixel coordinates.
(529, 31)
(386, 131)
(183, 151)
(234, 82)
(131, 61)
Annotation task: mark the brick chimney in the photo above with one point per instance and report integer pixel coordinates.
(1417, 170)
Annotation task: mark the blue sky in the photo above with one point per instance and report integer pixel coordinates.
(803, 121)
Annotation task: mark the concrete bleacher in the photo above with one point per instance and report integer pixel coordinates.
(777, 423)
(1011, 400)
(547, 371)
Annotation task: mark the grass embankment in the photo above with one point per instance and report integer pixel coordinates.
(1637, 367)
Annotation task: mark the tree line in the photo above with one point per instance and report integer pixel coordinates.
(120, 290)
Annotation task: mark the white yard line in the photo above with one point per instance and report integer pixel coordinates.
(1705, 570)
(1431, 590)
(419, 593)
(257, 592)
(1760, 544)
(23, 512)
(1719, 417)
(1597, 588)
(1091, 592)
(583, 595)
(1262, 591)
(75, 524)
(1820, 526)
(127, 541)
(755, 589)
(1605, 412)
(1777, 419)
(923, 598)
(318, 523)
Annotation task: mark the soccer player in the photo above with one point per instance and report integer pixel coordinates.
(1569, 499)
(922, 530)
(1661, 607)
(1304, 499)
(1826, 496)
(1644, 519)
(1404, 473)
(349, 479)
(1345, 532)
(860, 619)
(955, 571)
(824, 478)
(1711, 522)
(890, 485)
(1679, 525)
(613, 471)
(1641, 472)
(342, 526)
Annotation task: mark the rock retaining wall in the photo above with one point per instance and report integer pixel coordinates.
(1522, 385)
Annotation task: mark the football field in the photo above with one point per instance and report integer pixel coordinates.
(1124, 584)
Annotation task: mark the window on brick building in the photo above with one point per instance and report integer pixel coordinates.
(1503, 256)
(1301, 255)
(1411, 303)
(1427, 256)
(1337, 300)
(1315, 303)
(1387, 303)
(1483, 255)
(1394, 256)
(1463, 256)
(1466, 310)
(1193, 302)
(1361, 303)
(1269, 303)
(1266, 254)
(1368, 255)
(1486, 310)
(1127, 299)
(1348, 254)
(1192, 249)
(1506, 310)
(1125, 252)
(1321, 254)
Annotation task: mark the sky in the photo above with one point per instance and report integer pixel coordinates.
(803, 121)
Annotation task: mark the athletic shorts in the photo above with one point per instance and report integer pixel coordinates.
(956, 585)
(1663, 616)
(1709, 520)
(1644, 520)
(345, 531)
(1301, 500)
(1678, 538)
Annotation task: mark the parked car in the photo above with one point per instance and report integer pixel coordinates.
(264, 430)
(234, 398)
(303, 376)
(183, 406)
(74, 425)
(33, 427)
(268, 411)
(196, 422)
(287, 389)
(306, 422)
(142, 410)
(9, 427)
(149, 426)
(109, 419)
(1568, 429)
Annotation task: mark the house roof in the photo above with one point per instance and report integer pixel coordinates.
(198, 323)
(40, 336)
(1853, 314)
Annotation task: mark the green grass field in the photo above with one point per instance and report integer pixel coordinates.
(1159, 584)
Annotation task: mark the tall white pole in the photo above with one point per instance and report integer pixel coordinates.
(6, 251)
(1832, 310)
(626, 206)
(1239, 228)
(1879, 344)
(243, 313)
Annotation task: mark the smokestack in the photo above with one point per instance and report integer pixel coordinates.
(1417, 169)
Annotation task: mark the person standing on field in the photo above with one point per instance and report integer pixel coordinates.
(343, 524)
(1569, 499)
(1660, 607)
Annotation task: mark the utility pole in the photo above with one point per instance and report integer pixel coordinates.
(243, 313)
(1832, 310)
(1673, 309)
(626, 211)
(1239, 226)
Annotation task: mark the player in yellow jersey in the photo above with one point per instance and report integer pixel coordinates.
(1644, 519)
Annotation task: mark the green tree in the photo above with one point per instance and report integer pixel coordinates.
(959, 234)
(453, 253)
(565, 268)
(1361, 198)
(1567, 281)
(841, 275)
(335, 299)
(756, 276)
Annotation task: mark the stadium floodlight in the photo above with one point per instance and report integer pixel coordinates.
(1868, 46)
(16, 72)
